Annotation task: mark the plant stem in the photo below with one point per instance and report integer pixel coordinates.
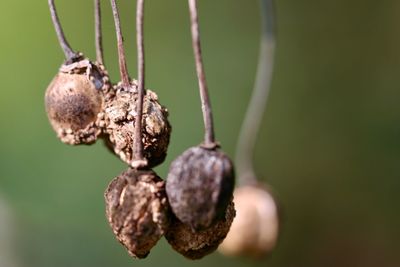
(69, 53)
(141, 79)
(253, 118)
(98, 32)
(209, 138)
(121, 52)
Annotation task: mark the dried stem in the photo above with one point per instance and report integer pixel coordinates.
(141, 79)
(256, 108)
(209, 138)
(98, 32)
(69, 53)
(121, 52)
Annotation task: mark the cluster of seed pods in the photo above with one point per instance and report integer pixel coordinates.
(193, 209)
(83, 105)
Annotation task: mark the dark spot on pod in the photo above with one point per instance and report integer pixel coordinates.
(74, 99)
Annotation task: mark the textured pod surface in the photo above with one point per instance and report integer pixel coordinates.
(137, 210)
(119, 120)
(196, 245)
(255, 229)
(74, 99)
(199, 186)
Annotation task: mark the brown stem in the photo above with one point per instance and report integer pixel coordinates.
(98, 32)
(69, 53)
(121, 52)
(255, 110)
(141, 80)
(209, 139)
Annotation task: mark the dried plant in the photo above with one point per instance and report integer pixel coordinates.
(194, 207)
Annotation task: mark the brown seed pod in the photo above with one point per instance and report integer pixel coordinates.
(74, 99)
(199, 186)
(255, 229)
(137, 210)
(196, 245)
(120, 113)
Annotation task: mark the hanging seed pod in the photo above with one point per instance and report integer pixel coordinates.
(137, 210)
(74, 100)
(136, 203)
(199, 186)
(200, 181)
(120, 114)
(196, 245)
(131, 101)
(254, 232)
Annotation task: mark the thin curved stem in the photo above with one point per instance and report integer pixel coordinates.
(68, 52)
(141, 79)
(98, 32)
(121, 51)
(209, 138)
(253, 118)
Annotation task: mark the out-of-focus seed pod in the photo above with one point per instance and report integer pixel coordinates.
(197, 244)
(119, 120)
(137, 210)
(199, 186)
(255, 230)
(74, 99)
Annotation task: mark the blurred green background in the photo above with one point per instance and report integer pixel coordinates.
(329, 144)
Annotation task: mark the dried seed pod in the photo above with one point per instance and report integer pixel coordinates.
(196, 245)
(137, 210)
(199, 186)
(75, 98)
(255, 229)
(120, 113)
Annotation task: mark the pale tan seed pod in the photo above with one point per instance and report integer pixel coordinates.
(119, 120)
(137, 210)
(197, 244)
(74, 100)
(254, 232)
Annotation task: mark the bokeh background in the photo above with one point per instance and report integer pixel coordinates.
(329, 143)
